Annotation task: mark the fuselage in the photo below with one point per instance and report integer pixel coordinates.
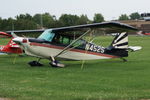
(84, 51)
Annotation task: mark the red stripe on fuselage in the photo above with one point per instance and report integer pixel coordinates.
(74, 50)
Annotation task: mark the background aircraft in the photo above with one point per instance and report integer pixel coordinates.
(11, 47)
(146, 33)
(142, 33)
(59, 43)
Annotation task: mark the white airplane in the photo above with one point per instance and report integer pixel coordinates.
(62, 43)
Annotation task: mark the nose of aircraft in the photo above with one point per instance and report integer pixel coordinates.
(19, 40)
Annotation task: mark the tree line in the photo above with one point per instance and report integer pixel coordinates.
(46, 20)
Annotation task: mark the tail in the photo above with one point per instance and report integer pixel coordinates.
(119, 46)
(120, 41)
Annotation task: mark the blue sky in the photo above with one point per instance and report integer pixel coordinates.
(110, 9)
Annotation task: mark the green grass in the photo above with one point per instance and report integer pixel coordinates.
(98, 80)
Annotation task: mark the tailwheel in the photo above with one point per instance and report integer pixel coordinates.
(35, 63)
(124, 60)
(55, 63)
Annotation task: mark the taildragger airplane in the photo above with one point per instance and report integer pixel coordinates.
(62, 43)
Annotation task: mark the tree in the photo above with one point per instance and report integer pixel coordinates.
(24, 21)
(7, 24)
(134, 16)
(48, 20)
(68, 19)
(0, 23)
(38, 20)
(83, 19)
(123, 17)
(25, 25)
(98, 18)
(24, 17)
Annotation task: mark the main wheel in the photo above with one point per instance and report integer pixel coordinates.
(57, 64)
(35, 63)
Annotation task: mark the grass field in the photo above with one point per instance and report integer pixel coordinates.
(98, 80)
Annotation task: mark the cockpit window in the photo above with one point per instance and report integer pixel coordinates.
(61, 40)
(47, 35)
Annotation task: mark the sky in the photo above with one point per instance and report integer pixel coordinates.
(110, 9)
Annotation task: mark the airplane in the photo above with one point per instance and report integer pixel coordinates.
(4, 35)
(142, 33)
(11, 47)
(146, 33)
(62, 43)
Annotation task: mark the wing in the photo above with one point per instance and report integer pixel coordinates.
(105, 26)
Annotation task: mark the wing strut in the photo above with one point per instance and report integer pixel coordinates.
(73, 42)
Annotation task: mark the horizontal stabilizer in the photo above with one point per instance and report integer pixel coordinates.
(134, 48)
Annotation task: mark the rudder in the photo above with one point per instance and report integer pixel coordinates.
(120, 41)
(119, 46)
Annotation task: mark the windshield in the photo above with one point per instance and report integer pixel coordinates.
(47, 35)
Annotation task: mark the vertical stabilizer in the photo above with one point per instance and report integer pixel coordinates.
(120, 41)
(119, 46)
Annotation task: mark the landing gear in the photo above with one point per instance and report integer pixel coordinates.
(35, 63)
(55, 63)
(124, 60)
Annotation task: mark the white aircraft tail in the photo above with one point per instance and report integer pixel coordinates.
(119, 46)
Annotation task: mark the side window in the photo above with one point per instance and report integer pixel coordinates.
(61, 40)
(57, 39)
(65, 40)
